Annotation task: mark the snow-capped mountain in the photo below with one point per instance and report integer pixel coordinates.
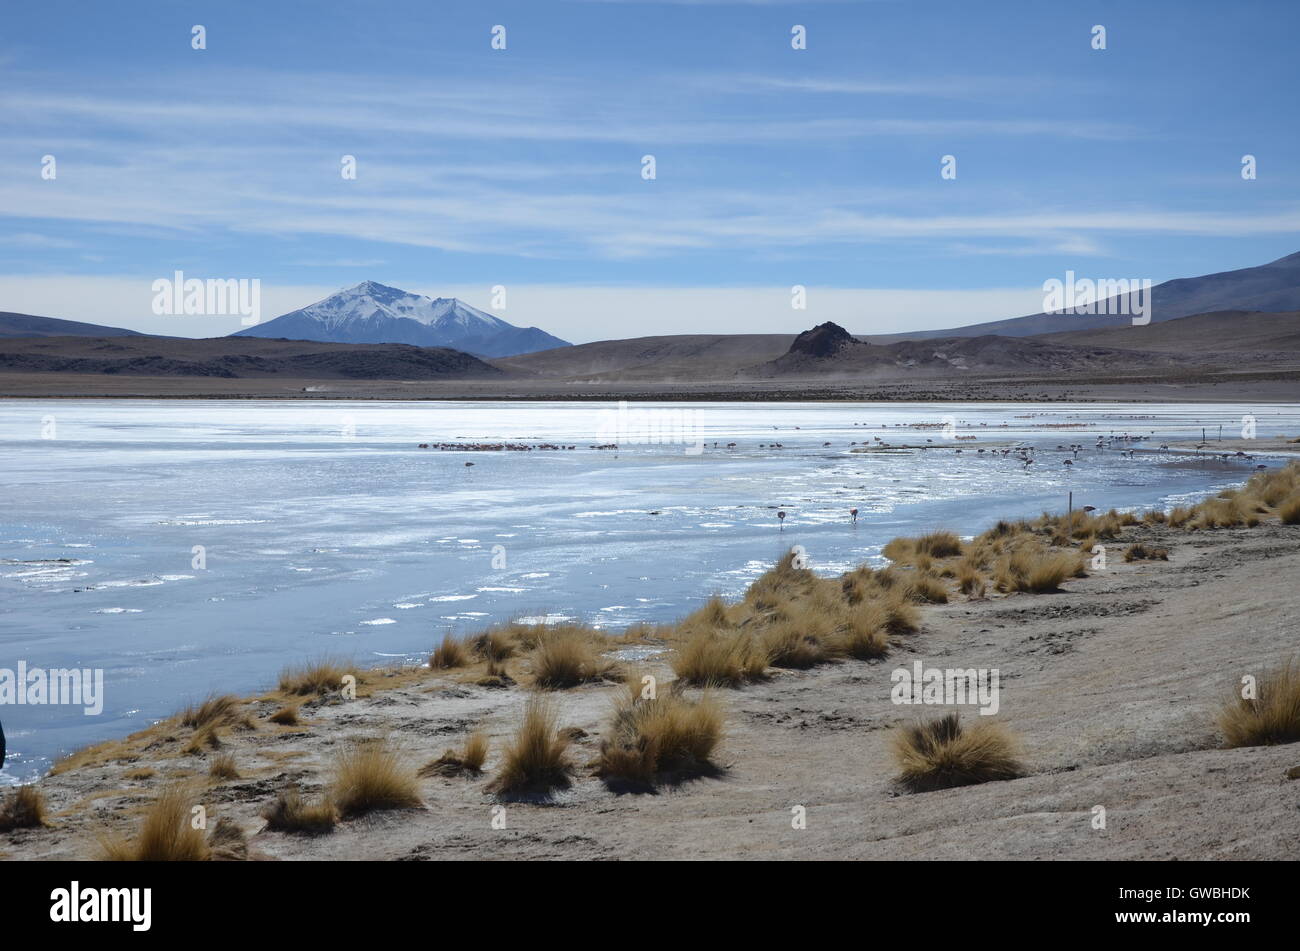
(374, 313)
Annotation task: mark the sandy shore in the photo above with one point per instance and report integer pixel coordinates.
(1112, 685)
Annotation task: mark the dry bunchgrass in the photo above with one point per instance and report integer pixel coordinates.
(939, 545)
(223, 767)
(203, 739)
(495, 644)
(227, 842)
(970, 580)
(927, 589)
(941, 753)
(902, 617)
(166, 833)
(864, 634)
(286, 715)
(317, 677)
(1272, 717)
(1141, 551)
(786, 644)
(1036, 569)
(1222, 512)
(371, 776)
(535, 760)
(289, 813)
(495, 675)
(717, 657)
(468, 760)
(665, 736)
(565, 656)
(1289, 511)
(785, 581)
(212, 712)
(451, 652)
(24, 808)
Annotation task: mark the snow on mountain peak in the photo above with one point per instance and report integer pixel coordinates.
(371, 300)
(371, 312)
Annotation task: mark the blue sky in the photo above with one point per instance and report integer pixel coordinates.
(522, 167)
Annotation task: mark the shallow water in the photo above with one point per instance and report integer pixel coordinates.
(326, 531)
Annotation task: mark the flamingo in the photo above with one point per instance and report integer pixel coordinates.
(780, 516)
(854, 513)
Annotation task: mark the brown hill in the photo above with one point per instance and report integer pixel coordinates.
(680, 358)
(1235, 331)
(237, 357)
(829, 351)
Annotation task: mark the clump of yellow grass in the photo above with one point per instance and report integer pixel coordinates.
(370, 776)
(535, 759)
(1272, 717)
(665, 736)
(166, 833)
(941, 753)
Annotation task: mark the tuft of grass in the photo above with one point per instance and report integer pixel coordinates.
(970, 581)
(928, 589)
(165, 834)
(939, 545)
(902, 617)
(535, 760)
(1036, 570)
(941, 753)
(495, 645)
(227, 842)
(451, 652)
(713, 657)
(370, 776)
(317, 677)
(286, 716)
(1143, 552)
(1272, 718)
(290, 814)
(566, 657)
(864, 635)
(667, 735)
(212, 712)
(1289, 511)
(495, 675)
(468, 760)
(24, 808)
(223, 767)
(205, 738)
(787, 645)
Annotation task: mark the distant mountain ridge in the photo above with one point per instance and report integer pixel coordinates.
(1272, 287)
(29, 325)
(238, 358)
(372, 312)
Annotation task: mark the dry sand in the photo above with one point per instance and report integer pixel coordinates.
(1112, 685)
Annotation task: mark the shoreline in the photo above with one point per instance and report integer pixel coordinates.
(1112, 682)
(1274, 386)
